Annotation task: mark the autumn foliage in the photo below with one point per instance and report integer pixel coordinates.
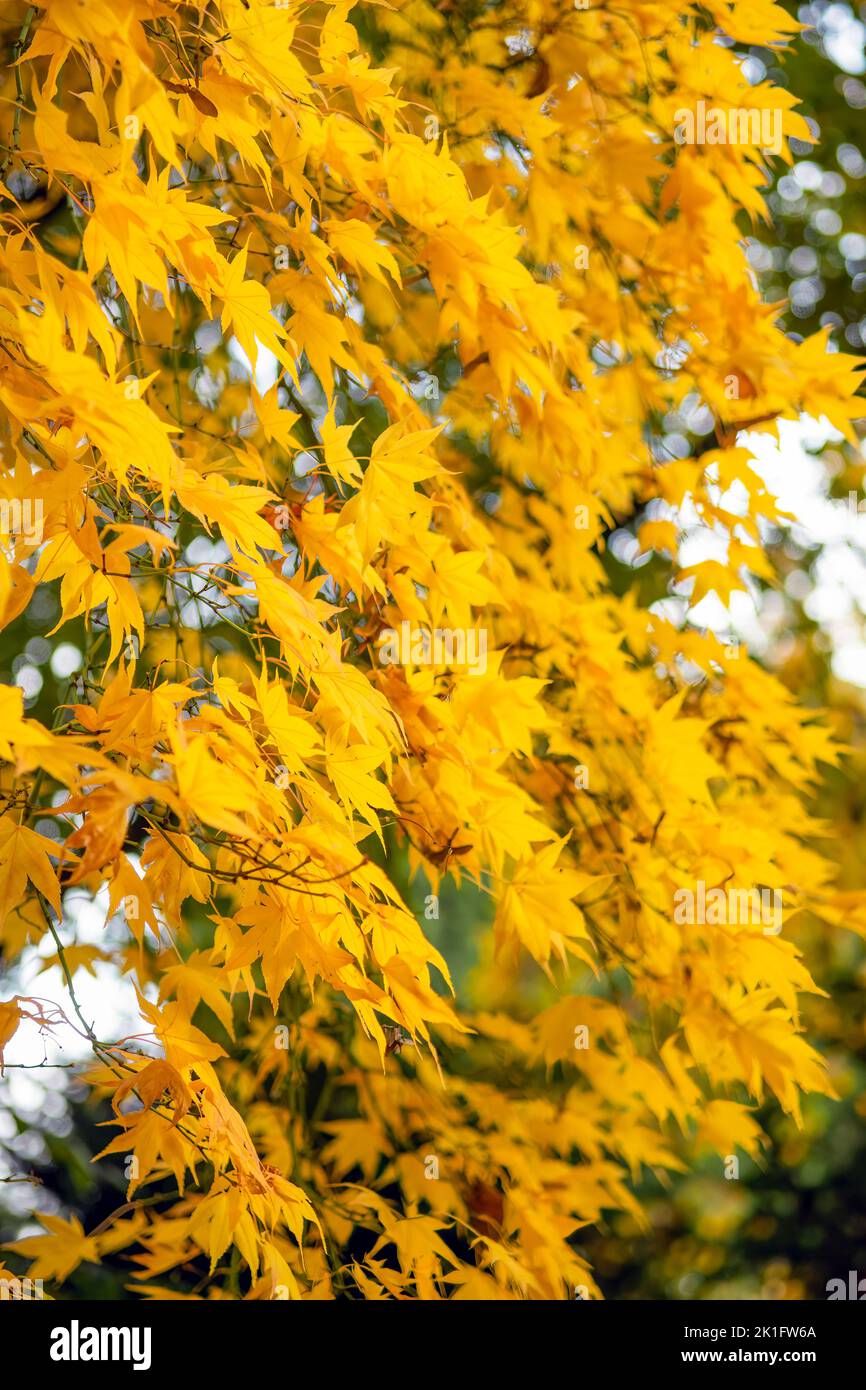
(321, 324)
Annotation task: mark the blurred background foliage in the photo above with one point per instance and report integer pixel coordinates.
(781, 1229)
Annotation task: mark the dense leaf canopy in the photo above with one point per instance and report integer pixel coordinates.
(350, 357)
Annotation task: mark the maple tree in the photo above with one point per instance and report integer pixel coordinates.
(319, 331)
